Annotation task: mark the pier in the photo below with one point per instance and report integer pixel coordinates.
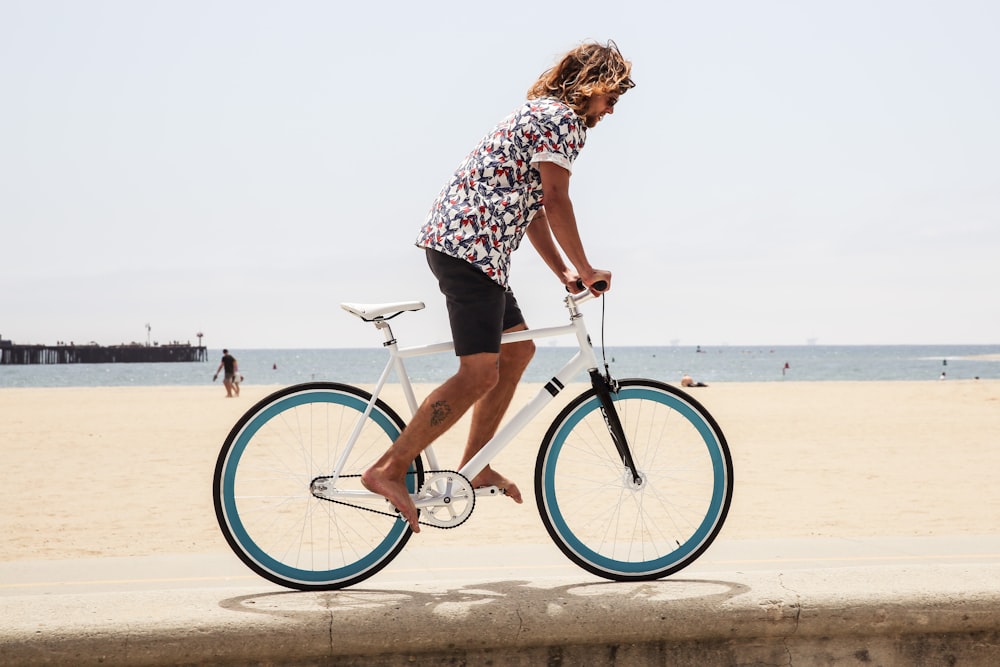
(11, 354)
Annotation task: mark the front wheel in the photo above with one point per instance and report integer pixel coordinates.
(613, 525)
(262, 487)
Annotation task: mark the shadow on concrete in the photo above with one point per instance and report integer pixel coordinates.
(482, 598)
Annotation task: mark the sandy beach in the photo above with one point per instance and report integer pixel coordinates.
(128, 471)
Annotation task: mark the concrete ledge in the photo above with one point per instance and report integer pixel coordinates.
(919, 615)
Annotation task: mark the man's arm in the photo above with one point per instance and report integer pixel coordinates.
(562, 223)
(540, 236)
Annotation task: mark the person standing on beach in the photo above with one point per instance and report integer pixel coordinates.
(515, 182)
(231, 368)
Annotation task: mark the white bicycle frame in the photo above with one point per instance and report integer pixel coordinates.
(583, 360)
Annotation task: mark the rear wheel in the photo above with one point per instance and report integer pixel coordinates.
(262, 488)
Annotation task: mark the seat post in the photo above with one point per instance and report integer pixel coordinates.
(381, 323)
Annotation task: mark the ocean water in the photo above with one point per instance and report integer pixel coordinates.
(710, 364)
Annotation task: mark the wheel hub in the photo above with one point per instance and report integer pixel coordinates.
(633, 483)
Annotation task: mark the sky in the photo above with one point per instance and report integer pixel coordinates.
(784, 172)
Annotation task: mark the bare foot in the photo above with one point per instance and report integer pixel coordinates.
(490, 477)
(395, 492)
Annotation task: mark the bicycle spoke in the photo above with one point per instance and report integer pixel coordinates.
(613, 526)
(263, 492)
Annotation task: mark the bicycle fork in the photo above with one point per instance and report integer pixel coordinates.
(604, 385)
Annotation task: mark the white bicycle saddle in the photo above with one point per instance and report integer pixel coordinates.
(373, 311)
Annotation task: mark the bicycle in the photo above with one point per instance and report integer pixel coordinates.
(633, 479)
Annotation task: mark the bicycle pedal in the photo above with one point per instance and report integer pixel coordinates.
(490, 491)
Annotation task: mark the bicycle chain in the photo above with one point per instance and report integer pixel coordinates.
(396, 513)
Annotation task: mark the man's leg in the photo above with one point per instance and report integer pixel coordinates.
(476, 376)
(490, 409)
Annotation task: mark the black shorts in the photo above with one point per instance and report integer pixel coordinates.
(479, 309)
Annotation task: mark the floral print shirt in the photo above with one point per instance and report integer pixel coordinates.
(482, 213)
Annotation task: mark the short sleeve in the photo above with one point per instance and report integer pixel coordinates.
(560, 135)
(556, 158)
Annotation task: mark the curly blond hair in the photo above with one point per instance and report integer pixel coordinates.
(589, 69)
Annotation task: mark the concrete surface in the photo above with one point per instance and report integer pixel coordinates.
(878, 601)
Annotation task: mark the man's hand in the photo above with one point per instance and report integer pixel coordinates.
(599, 284)
(572, 281)
(596, 278)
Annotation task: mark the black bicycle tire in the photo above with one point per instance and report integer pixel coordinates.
(558, 536)
(217, 485)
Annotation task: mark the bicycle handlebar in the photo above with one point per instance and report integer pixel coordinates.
(600, 285)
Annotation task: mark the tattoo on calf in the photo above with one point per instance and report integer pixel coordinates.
(439, 412)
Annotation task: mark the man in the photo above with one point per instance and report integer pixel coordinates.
(518, 174)
(231, 368)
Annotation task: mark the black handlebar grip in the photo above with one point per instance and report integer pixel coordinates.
(600, 285)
